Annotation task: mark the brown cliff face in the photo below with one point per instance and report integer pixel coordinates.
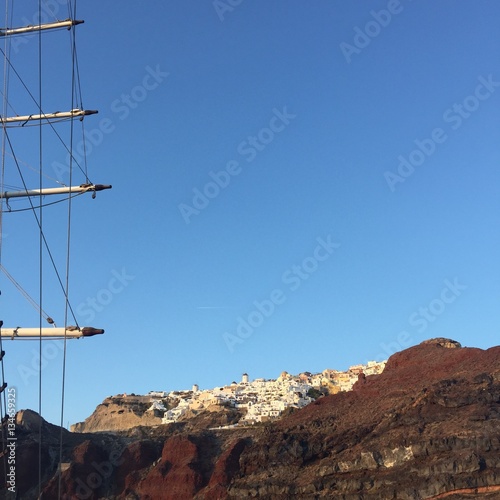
(428, 427)
(118, 414)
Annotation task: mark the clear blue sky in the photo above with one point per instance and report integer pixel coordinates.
(308, 109)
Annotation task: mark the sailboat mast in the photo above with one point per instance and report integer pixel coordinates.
(41, 118)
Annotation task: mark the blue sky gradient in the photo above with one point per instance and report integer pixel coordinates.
(187, 90)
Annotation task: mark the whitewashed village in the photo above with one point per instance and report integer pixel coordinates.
(261, 400)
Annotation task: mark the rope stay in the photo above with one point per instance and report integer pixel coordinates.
(27, 296)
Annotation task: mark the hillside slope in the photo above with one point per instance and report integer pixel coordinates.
(426, 428)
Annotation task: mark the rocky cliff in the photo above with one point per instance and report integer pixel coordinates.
(426, 428)
(118, 414)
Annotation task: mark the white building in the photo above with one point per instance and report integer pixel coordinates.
(157, 394)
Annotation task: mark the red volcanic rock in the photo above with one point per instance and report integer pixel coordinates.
(88, 451)
(226, 467)
(85, 476)
(135, 457)
(176, 475)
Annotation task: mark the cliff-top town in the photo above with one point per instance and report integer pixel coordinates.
(261, 399)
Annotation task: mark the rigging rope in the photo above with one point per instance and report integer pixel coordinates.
(68, 246)
(40, 250)
(37, 219)
(27, 296)
(38, 212)
(49, 122)
(33, 169)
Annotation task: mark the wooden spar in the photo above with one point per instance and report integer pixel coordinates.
(83, 188)
(71, 332)
(68, 23)
(57, 115)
